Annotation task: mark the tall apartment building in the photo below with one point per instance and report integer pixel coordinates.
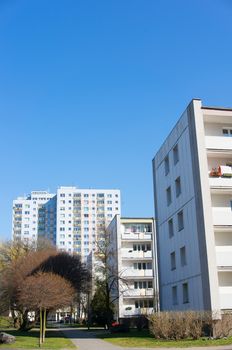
(73, 219)
(132, 258)
(193, 202)
(34, 215)
(82, 217)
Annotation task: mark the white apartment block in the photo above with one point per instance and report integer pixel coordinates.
(82, 217)
(193, 203)
(132, 257)
(33, 216)
(73, 219)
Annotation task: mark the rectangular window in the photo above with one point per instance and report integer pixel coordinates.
(185, 293)
(169, 195)
(227, 132)
(175, 155)
(180, 219)
(170, 228)
(183, 256)
(166, 165)
(173, 260)
(178, 186)
(174, 295)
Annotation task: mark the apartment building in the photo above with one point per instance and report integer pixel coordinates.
(193, 204)
(34, 215)
(132, 258)
(82, 217)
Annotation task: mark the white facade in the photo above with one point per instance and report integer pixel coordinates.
(133, 256)
(73, 218)
(33, 215)
(193, 201)
(82, 216)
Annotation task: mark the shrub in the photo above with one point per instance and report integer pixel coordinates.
(179, 325)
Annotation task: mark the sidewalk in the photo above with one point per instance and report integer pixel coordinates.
(88, 341)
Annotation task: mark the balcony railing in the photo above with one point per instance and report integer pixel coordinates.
(130, 236)
(133, 254)
(131, 293)
(138, 311)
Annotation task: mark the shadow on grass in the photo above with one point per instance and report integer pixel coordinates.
(134, 333)
(34, 333)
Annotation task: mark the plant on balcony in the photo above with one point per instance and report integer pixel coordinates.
(215, 172)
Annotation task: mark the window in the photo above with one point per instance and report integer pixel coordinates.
(178, 186)
(62, 195)
(175, 154)
(86, 195)
(109, 195)
(183, 256)
(170, 228)
(169, 195)
(173, 260)
(174, 295)
(180, 219)
(185, 293)
(166, 165)
(227, 132)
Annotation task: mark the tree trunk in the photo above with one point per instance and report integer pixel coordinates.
(24, 323)
(44, 325)
(41, 326)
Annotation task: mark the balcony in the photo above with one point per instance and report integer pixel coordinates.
(224, 257)
(214, 143)
(131, 273)
(138, 311)
(136, 236)
(134, 254)
(132, 293)
(222, 216)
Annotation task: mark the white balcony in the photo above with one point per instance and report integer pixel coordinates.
(218, 143)
(224, 257)
(220, 184)
(137, 273)
(134, 254)
(137, 236)
(132, 293)
(138, 311)
(225, 294)
(222, 216)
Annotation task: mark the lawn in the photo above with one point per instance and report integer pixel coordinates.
(55, 339)
(144, 340)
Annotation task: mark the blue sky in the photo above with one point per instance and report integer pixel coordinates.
(89, 90)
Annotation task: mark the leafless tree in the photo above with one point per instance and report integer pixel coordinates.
(43, 292)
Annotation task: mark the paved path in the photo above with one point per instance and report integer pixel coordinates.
(87, 341)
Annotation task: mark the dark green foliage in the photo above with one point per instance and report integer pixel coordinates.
(102, 313)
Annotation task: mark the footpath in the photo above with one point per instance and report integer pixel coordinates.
(84, 340)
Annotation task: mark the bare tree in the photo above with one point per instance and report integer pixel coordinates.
(43, 292)
(110, 282)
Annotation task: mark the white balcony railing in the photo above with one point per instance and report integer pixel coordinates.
(131, 254)
(221, 182)
(222, 216)
(218, 142)
(138, 311)
(225, 294)
(130, 236)
(137, 273)
(130, 293)
(224, 256)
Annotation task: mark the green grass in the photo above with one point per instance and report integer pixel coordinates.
(144, 340)
(5, 322)
(55, 339)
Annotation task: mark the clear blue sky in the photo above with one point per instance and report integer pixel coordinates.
(90, 88)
